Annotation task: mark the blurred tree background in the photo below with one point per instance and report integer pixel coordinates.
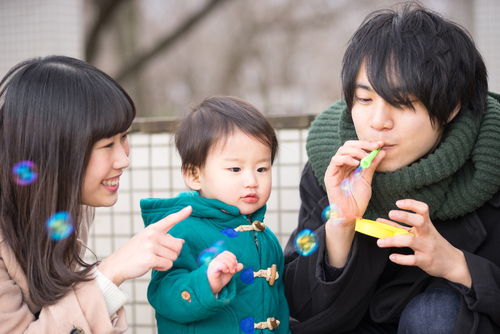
(283, 56)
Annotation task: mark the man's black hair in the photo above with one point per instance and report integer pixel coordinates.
(414, 53)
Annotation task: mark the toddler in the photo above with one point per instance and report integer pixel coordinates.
(227, 278)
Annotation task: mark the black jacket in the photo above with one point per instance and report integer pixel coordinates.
(372, 285)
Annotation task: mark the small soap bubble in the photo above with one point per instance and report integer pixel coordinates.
(306, 242)
(25, 173)
(60, 226)
(211, 252)
(346, 187)
(333, 215)
(358, 173)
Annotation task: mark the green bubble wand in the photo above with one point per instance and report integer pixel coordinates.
(367, 161)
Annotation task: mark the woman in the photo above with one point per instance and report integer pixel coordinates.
(63, 147)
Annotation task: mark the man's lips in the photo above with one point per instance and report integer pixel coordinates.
(387, 147)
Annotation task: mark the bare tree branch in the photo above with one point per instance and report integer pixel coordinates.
(168, 41)
(106, 10)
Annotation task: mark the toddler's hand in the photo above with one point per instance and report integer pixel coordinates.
(221, 269)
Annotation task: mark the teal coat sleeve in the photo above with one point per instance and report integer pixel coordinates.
(182, 294)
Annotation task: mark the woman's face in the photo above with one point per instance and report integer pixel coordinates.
(408, 135)
(108, 159)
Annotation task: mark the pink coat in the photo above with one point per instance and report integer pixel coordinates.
(82, 307)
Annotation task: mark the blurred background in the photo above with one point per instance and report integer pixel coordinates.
(283, 56)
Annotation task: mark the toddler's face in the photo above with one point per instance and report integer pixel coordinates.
(238, 172)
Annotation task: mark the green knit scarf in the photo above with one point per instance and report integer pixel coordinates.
(457, 178)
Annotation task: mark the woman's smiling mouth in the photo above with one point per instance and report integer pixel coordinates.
(113, 182)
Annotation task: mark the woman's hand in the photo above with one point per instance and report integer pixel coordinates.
(152, 248)
(221, 269)
(432, 253)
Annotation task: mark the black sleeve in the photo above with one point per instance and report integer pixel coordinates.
(483, 299)
(318, 305)
(313, 201)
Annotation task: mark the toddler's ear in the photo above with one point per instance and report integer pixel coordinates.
(192, 177)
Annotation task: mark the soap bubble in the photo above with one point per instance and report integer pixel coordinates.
(60, 226)
(346, 186)
(211, 252)
(25, 173)
(333, 215)
(306, 242)
(358, 173)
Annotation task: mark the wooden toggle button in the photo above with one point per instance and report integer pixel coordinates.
(273, 274)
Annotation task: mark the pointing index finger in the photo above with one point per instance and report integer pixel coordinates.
(164, 225)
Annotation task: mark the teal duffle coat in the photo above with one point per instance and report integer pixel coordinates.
(182, 297)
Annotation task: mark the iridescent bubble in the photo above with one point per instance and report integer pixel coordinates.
(210, 253)
(358, 173)
(306, 242)
(24, 173)
(333, 215)
(346, 186)
(60, 226)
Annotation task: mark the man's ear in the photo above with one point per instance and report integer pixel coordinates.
(192, 177)
(454, 113)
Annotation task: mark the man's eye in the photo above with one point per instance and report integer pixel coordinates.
(361, 100)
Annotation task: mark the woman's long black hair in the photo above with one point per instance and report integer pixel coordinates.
(52, 111)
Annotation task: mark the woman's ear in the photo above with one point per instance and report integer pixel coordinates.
(192, 177)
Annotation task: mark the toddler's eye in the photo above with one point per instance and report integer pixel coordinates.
(235, 169)
(262, 170)
(125, 136)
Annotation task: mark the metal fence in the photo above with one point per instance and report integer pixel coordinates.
(155, 172)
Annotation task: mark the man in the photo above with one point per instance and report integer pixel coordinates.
(415, 86)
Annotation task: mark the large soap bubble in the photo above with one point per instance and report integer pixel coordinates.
(306, 242)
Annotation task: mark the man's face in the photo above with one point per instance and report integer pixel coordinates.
(408, 134)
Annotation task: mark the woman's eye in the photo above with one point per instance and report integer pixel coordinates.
(110, 145)
(235, 169)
